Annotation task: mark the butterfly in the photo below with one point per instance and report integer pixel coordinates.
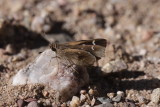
(83, 52)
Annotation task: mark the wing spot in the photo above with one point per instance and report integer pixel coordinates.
(93, 42)
(92, 47)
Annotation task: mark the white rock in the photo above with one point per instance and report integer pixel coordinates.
(155, 96)
(49, 70)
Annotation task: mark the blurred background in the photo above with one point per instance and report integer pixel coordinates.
(28, 26)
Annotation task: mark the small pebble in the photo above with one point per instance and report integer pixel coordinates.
(83, 92)
(75, 102)
(20, 103)
(93, 101)
(129, 104)
(47, 102)
(104, 100)
(10, 49)
(91, 92)
(117, 98)
(155, 96)
(120, 93)
(45, 93)
(30, 100)
(19, 57)
(110, 95)
(147, 35)
(105, 105)
(33, 104)
(141, 99)
(82, 98)
(64, 105)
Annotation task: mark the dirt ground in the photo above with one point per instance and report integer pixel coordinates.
(133, 26)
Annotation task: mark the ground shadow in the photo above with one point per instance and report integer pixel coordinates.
(20, 37)
(123, 80)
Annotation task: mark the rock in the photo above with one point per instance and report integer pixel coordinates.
(30, 99)
(93, 101)
(83, 92)
(155, 96)
(64, 105)
(103, 100)
(141, 99)
(82, 98)
(121, 93)
(42, 23)
(119, 96)
(129, 104)
(10, 49)
(19, 57)
(75, 102)
(114, 66)
(151, 104)
(110, 95)
(20, 103)
(91, 91)
(33, 104)
(105, 105)
(45, 93)
(46, 69)
(47, 101)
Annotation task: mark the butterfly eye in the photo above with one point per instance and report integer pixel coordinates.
(53, 47)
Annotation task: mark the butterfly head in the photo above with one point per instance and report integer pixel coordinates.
(53, 46)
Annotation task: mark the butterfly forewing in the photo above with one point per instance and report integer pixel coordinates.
(78, 57)
(101, 42)
(96, 50)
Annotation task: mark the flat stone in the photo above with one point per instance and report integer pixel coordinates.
(50, 70)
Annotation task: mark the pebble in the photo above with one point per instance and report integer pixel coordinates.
(104, 100)
(10, 49)
(87, 106)
(93, 101)
(19, 57)
(105, 105)
(64, 105)
(47, 102)
(91, 91)
(129, 104)
(155, 96)
(20, 103)
(45, 93)
(83, 92)
(117, 98)
(110, 95)
(114, 66)
(30, 100)
(147, 35)
(75, 102)
(120, 93)
(33, 104)
(82, 98)
(142, 52)
(141, 99)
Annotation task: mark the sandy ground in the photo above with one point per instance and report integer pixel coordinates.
(28, 26)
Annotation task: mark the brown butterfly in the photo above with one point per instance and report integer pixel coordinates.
(84, 52)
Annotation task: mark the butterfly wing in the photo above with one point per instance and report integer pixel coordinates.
(100, 42)
(78, 57)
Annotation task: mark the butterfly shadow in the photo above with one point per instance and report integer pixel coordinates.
(20, 37)
(121, 81)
